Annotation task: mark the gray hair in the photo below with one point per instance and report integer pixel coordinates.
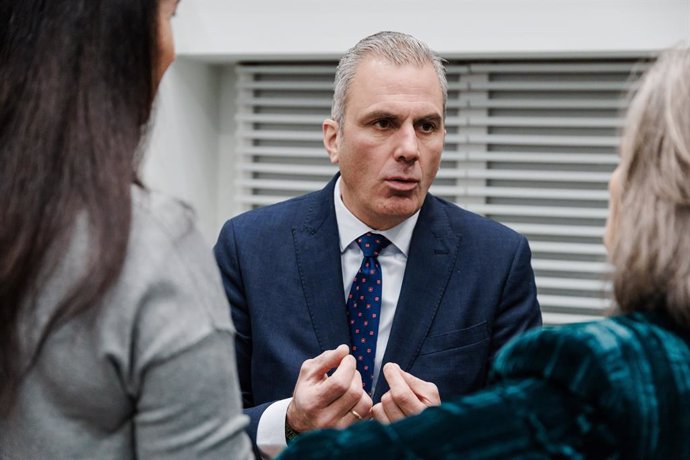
(651, 241)
(394, 47)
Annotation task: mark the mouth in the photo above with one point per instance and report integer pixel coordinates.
(402, 183)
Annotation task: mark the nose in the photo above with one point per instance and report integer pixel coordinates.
(407, 144)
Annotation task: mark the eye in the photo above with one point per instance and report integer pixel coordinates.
(427, 127)
(383, 123)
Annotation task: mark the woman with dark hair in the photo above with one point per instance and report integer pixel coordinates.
(115, 336)
(617, 388)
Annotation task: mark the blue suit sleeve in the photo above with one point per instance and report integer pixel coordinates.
(519, 308)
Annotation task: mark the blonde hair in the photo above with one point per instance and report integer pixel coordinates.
(651, 248)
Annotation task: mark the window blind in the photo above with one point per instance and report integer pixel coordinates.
(530, 144)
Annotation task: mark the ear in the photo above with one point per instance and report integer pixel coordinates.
(330, 139)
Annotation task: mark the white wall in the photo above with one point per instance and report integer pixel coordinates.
(182, 156)
(226, 30)
(191, 152)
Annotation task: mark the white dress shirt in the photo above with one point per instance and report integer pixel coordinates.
(270, 435)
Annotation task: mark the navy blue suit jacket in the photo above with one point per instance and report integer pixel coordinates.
(468, 288)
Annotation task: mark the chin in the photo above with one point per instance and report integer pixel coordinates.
(401, 209)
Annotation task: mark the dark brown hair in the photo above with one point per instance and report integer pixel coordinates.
(75, 95)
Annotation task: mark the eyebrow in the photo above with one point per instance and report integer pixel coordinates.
(384, 114)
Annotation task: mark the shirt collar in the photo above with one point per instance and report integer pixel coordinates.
(350, 227)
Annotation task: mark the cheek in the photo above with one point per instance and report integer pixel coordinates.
(166, 46)
(614, 199)
(432, 160)
(367, 156)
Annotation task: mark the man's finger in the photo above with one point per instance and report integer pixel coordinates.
(400, 392)
(358, 412)
(317, 367)
(379, 414)
(342, 384)
(427, 392)
(391, 408)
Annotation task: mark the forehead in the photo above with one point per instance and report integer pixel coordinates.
(379, 84)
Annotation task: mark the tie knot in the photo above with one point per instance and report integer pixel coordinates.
(372, 243)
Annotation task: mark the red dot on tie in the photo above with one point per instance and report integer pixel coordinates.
(352, 321)
(359, 314)
(378, 241)
(373, 315)
(376, 299)
(366, 265)
(371, 289)
(349, 296)
(356, 331)
(366, 245)
(368, 350)
(378, 281)
(363, 340)
(354, 347)
(371, 272)
(360, 358)
(361, 297)
(371, 332)
(366, 368)
(366, 323)
(364, 280)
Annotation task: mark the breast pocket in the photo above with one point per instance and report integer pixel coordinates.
(455, 339)
(455, 361)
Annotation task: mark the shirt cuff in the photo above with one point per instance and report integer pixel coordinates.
(270, 434)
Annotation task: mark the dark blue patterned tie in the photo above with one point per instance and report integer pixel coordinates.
(364, 306)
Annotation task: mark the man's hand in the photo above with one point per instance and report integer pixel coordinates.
(320, 401)
(407, 396)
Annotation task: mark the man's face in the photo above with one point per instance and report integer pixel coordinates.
(389, 145)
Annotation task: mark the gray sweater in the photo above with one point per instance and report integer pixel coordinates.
(148, 374)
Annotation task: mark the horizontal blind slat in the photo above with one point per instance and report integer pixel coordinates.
(555, 104)
(556, 230)
(541, 86)
(542, 140)
(535, 122)
(538, 211)
(531, 68)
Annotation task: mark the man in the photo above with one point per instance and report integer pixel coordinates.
(372, 269)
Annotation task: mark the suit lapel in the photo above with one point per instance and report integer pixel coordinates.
(431, 258)
(317, 249)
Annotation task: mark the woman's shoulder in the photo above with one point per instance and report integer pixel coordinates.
(617, 364)
(603, 344)
(160, 217)
(618, 334)
(169, 276)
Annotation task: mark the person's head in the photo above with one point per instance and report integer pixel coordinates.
(387, 128)
(648, 232)
(78, 81)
